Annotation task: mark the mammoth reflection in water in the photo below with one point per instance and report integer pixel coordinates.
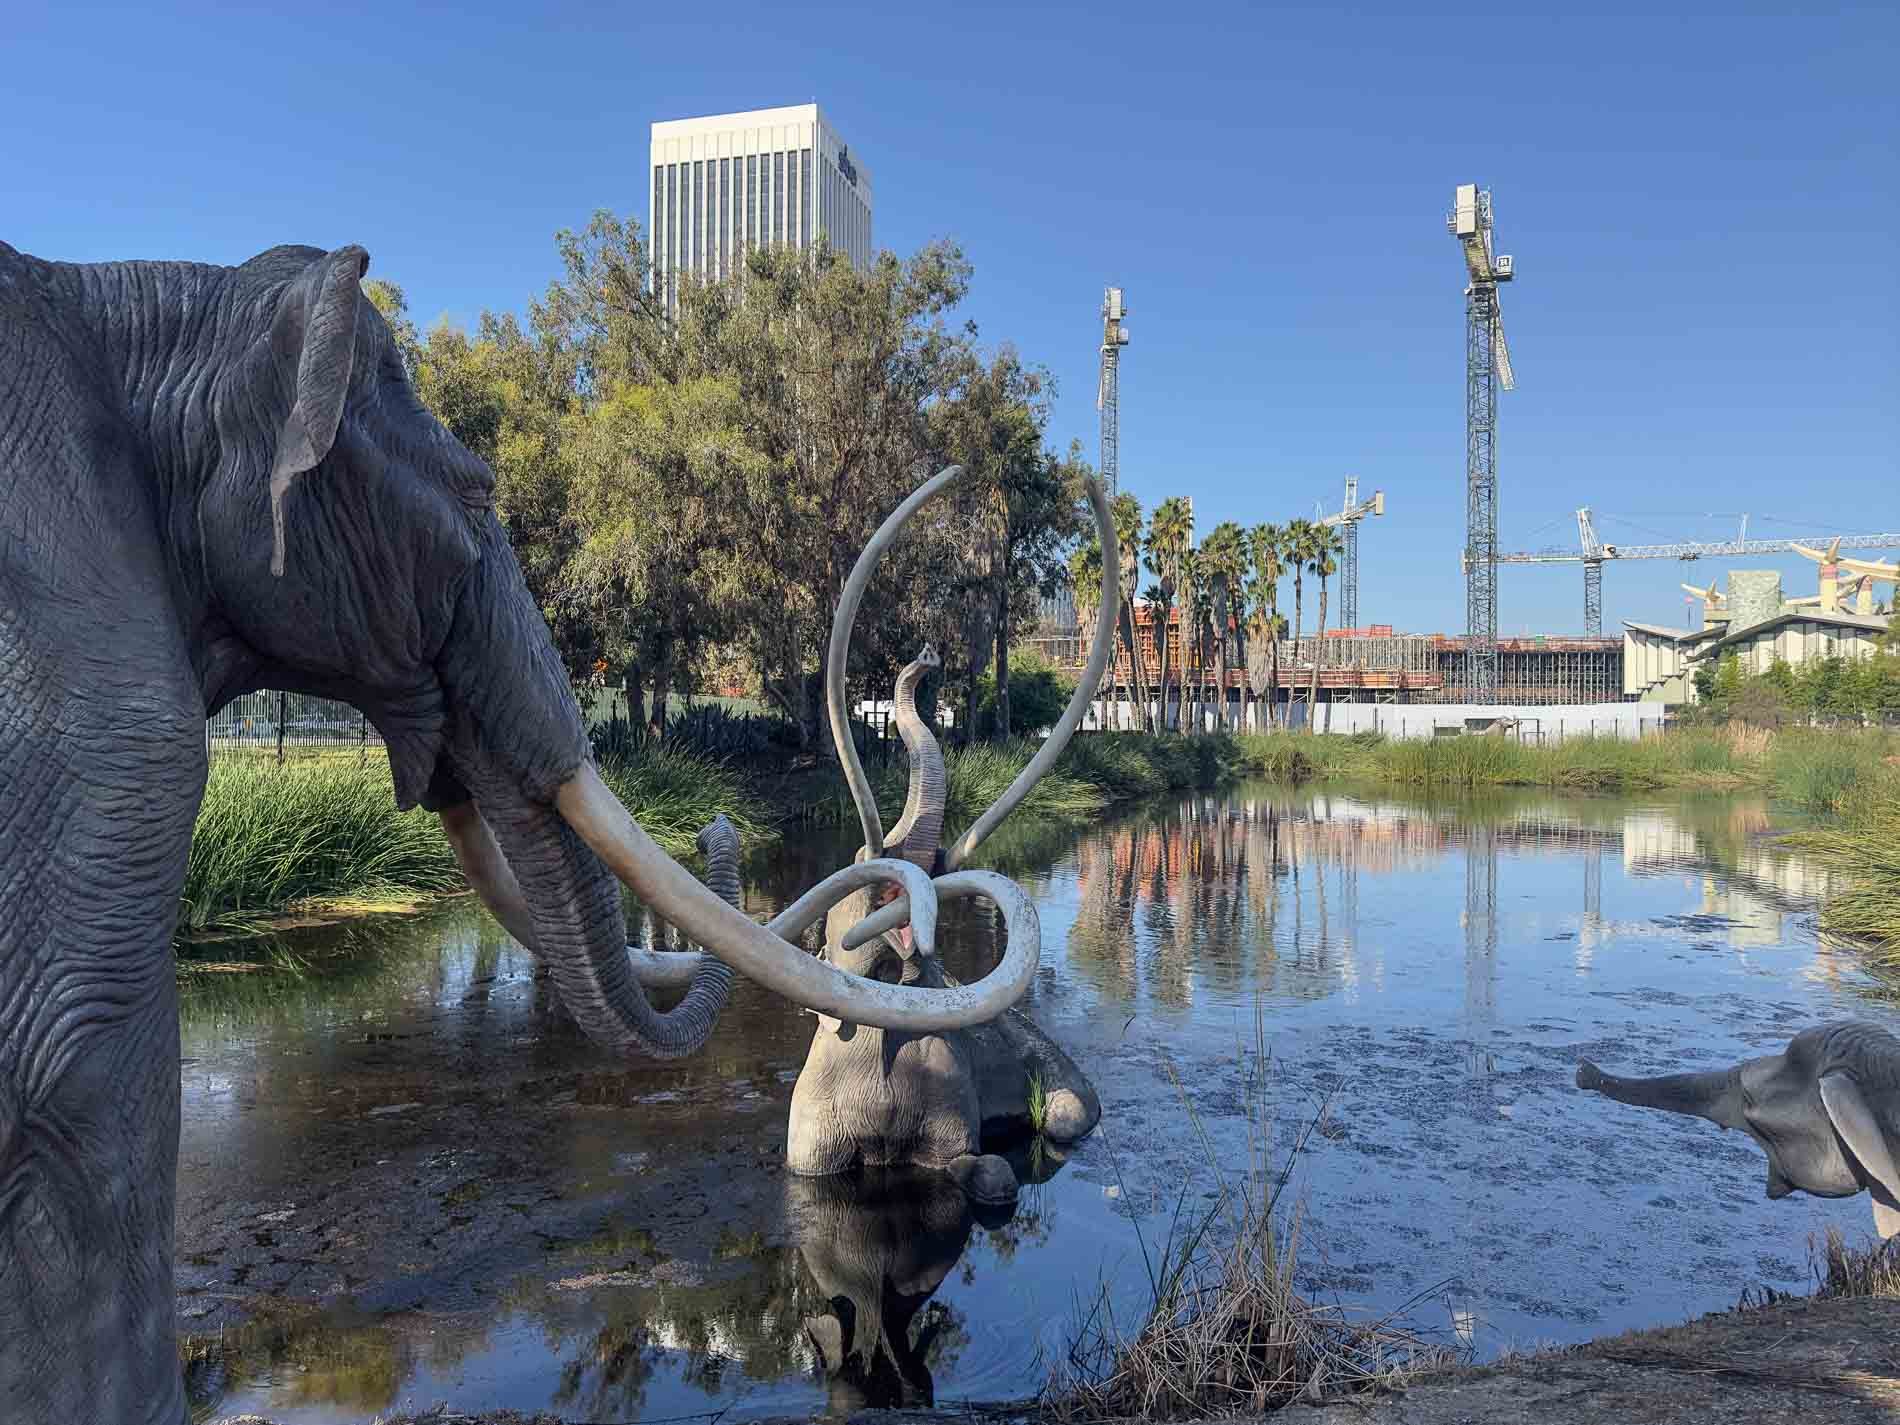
(878, 1244)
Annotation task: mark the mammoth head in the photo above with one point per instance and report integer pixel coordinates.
(1820, 1110)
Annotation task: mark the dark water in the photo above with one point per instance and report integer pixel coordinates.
(396, 1122)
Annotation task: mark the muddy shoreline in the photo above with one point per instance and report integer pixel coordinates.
(1836, 1362)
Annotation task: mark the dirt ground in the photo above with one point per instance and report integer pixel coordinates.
(1818, 1362)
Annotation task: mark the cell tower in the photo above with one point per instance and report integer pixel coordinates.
(1487, 368)
(1108, 388)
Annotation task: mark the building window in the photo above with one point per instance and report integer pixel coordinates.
(656, 223)
(778, 197)
(672, 225)
(725, 213)
(751, 197)
(805, 203)
(697, 261)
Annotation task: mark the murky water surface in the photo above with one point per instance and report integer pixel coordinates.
(397, 1125)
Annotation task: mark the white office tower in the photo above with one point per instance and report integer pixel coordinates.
(765, 177)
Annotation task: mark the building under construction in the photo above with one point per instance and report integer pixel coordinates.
(1374, 664)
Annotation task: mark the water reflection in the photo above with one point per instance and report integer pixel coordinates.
(396, 1123)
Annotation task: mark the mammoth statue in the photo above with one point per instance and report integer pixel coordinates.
(214, 480)
(1826, 1110)
(872, 1095)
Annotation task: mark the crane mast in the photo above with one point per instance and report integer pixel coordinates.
(1348, 518)
(1108, 387)
(1487, 368)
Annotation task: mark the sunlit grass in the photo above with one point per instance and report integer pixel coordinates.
(321, 836)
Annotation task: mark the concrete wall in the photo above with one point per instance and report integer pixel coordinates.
(1547, 724)
(1654, 666)
(1798, 642)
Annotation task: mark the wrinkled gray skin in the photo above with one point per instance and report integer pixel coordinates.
(214, 480)
(870, 1097)
(1826, 1110)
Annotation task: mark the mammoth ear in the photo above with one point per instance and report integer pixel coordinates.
(1861, 1132)
(323, 377)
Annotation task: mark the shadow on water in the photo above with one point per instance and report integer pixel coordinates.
(406, 1177)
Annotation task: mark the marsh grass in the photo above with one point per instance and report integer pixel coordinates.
(321, 835)
(1094, 771)
(1226, 1332)
(1810, 767)
(1841, 1270)
(1863, 844)
(270, 837)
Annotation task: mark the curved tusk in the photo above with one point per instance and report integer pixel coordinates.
(835, 656)
(805, 912)
(1085, 690)
(955, 885)
(493, 880)
(758, 951)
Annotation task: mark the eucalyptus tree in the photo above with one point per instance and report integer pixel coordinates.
(1325, 547)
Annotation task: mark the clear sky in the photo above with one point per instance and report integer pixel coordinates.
(1703, 207)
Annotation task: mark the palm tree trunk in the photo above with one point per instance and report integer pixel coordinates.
(1273, 667)
(1319, 642)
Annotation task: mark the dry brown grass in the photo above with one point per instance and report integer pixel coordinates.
(1227, 1331)
(1841, 1271)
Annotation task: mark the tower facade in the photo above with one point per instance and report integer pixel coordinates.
(762, 178)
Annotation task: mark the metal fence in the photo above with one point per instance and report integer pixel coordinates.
(288, 725)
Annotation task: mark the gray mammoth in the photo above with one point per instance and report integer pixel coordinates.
(1826, 1110)
(214, 480)
(874, 1096)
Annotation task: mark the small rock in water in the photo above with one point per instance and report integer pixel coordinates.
(392, 1108)
(283, 1216)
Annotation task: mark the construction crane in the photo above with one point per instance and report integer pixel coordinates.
(1108, 386)
(1595, 553)
(1487, 368)
(1347, 520)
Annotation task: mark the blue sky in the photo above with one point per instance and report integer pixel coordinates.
(1703, 206)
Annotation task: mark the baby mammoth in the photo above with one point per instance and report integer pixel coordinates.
(1826, 1110)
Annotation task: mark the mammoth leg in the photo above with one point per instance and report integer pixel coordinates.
(89, 1056)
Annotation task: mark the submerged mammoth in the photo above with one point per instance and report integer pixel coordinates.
(1826, 1110)
(873, 1095)
(214, 480)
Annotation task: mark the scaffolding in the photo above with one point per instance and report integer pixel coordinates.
(1373, 665)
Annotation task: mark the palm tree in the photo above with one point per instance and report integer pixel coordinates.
(1268, 547)
(1085, 585)
(1298, 547)
(1226, 557)
(1170, 531)
(1326, 546)
(1128, 541)
(1196, 613)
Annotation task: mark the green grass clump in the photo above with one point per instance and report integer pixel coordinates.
(1863, 845)
(673, 792)
(1819, 770)
(273, 836)
(324, 831)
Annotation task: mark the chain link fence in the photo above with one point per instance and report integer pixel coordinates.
(289, 725)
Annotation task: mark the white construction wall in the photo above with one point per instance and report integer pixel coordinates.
(1627, 721)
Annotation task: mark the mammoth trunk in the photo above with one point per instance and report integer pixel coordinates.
(1714, 1095)
(581, 933)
